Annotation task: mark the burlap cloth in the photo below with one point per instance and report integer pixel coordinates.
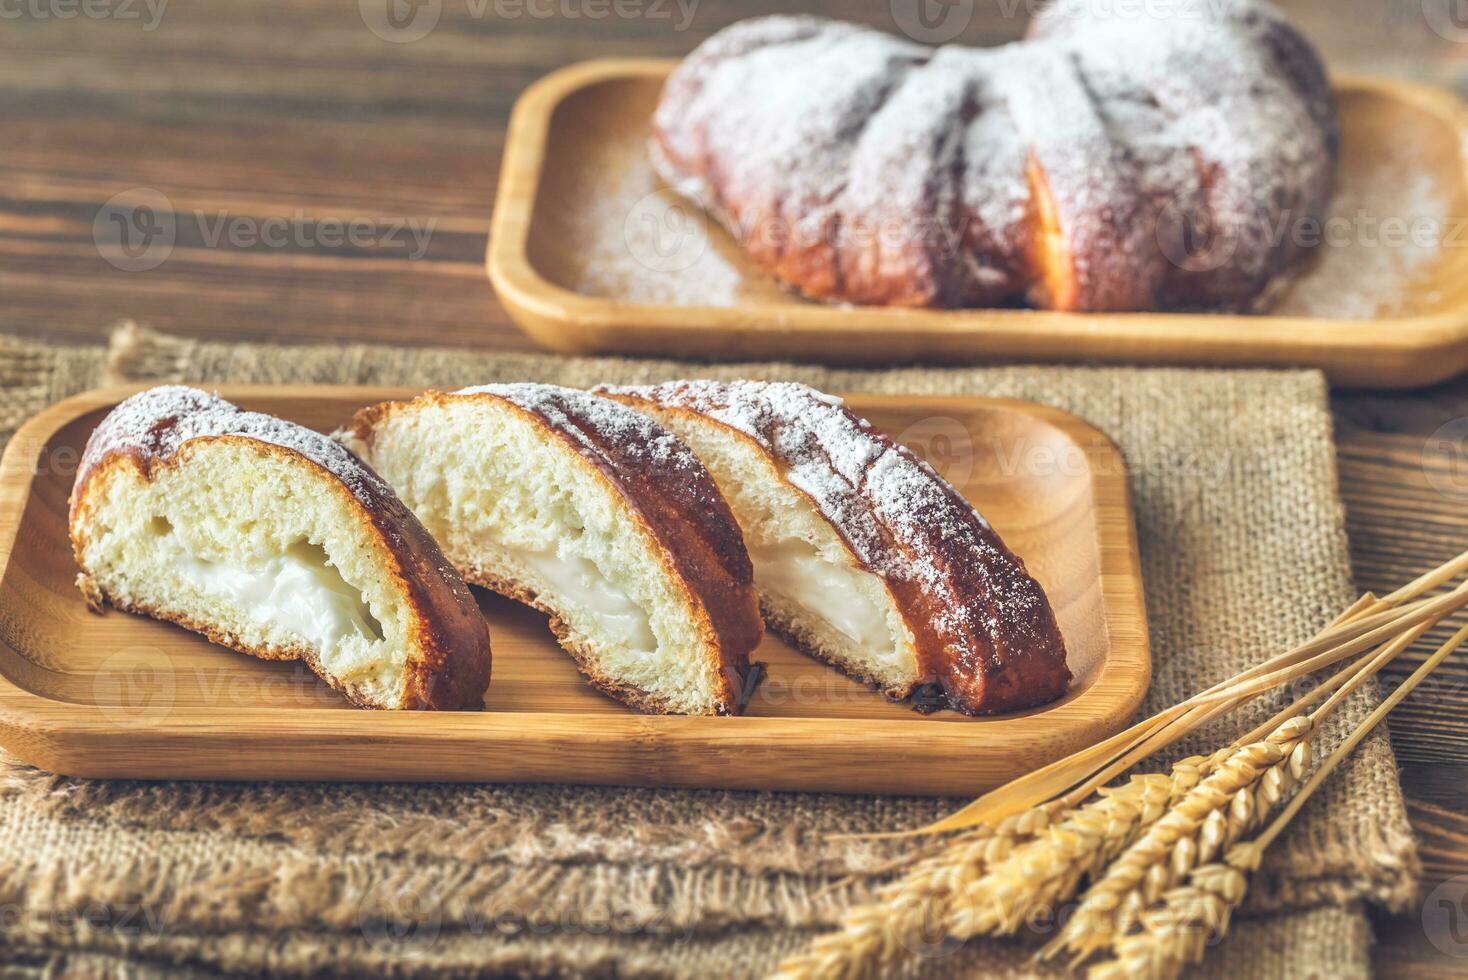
(1244, 553)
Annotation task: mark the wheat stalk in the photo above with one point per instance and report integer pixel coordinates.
(1176, 931)
(921, 903)
(1232, 800)
(879, 933)
(1045, 871)
(1027, 846)
(1230, 803)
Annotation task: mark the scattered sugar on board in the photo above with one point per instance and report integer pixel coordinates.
(1358, 275)
(642, 245)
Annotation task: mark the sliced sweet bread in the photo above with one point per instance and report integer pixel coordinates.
(592, 513)
(272, 539)
(865, 557)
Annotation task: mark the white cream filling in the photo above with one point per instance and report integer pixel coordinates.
(838, 594)
(582, 583)
(299, 591)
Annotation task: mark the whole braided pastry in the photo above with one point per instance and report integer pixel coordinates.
(1109, 161)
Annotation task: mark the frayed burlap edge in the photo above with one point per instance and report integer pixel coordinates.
(1325, 942)
(733, 870)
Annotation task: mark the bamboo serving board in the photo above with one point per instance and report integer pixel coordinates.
(591, 254)
(116, 695)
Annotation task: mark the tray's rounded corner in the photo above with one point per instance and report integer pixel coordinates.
(1432, 350)
(539, 309)
(549, 89)
(1081, 431)
(34, 730)
(1439, 101)
(1129, 633)
(1112, 697)
(22, 454)
(57, 414)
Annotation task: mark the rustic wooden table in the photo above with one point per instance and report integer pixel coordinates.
(269, 123)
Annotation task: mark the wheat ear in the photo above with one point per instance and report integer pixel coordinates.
(911, 910)
(1176, 931)
(1231, 801)
(991, 880)
(877, 934)
(1225, 807)
(1045, 871)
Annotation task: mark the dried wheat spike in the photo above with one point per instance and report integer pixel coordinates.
(1045, 871)
(1177, 931)
(1230, 802)
(912, 910)
(906, 910)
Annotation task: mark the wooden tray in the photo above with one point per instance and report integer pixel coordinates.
(590, 255)
(119, 695)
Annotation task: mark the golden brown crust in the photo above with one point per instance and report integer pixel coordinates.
(90, 590)
(1076, 169)
(987, 640)
(452, 664)
(672, 498)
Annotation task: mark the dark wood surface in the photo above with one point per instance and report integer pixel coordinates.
(297, 111)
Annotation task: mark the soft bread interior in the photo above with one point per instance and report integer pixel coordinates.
(811, 586)
(518, 510)
(258, 549)
(1055, 284)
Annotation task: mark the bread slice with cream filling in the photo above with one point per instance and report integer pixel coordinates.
(592, 513)
(269, 538)
(864, 556)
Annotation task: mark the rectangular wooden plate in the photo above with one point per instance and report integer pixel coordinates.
(591, 255)
(116, 695)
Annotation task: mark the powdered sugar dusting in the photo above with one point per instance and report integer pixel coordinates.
(156, 423)
(594, 421)
(648, 247)
(1384, 230)
(829, 134)
(901, 519)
